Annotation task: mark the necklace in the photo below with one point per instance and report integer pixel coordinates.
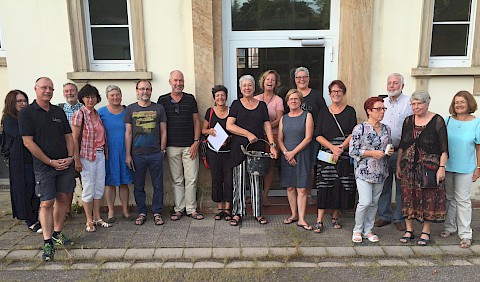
(263, 99)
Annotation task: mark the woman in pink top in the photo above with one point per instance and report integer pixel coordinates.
(90, 153)
(269, 82)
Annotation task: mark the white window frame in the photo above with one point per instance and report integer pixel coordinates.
(108, 65)
(457, 61)
(3, 53)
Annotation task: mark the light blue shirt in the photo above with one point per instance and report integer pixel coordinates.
(462, 138)
(395, 114)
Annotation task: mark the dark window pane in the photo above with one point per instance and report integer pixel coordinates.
(108, 12)
(449, 40)
(284, 61)
(111, 43)
(251, 15)
(452, 10)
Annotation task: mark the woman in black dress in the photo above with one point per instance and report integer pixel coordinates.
(25, 203)
(335, 182)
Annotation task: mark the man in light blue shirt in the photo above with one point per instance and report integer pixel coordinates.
(70, 92)
(398, 108)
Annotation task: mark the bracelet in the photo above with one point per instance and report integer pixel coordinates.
(441, 166)
(272, 144)
(196, 140)
(478, 166)
(50, 161)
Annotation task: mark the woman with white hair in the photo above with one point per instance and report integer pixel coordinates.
(116, 170)
(423, 147)
(248, 121)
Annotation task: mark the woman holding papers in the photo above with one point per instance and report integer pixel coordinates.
(294, 136)
(463, 166)
(370, 145)
(219, 160)
(248, 121)
(335, 178)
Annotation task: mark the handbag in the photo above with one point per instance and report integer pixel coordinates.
(5, 151)
(204, 143)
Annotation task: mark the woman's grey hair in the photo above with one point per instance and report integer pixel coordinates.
(299, 69)
(246, 77)
(112, 87)
(421, 95)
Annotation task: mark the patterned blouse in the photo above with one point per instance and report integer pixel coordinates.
(364, 137)
(93, 132)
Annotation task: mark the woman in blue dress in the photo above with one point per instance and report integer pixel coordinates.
(117, 172)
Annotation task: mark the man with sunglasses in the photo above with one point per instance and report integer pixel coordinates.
(145, 141)
(183, 133)
(398, 106)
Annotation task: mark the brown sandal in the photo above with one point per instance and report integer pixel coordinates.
(176, 216)
(157, 218)
(141, 219)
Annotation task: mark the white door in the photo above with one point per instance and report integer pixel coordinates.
(260, 35)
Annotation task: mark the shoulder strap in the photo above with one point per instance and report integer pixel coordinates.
(338, 124)
(448, 120)
(210, 118)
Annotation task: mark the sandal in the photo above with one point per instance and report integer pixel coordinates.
(372, 237)
(424, 242)
(227, 215)
(157, 218)
(89, 227)
(262, 220)
(290, 220)
(111, 219)
(465, 243)
(141, 219)
(446, 234)
(176, 216)
(219, 215)
(335, 223)
(406, 239)
(318, 227)
(305, 226)
(196, 215)
(357, 237)
(236, 220)
(101, 223)
(127, 218)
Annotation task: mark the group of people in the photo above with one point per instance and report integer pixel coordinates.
(319, 146)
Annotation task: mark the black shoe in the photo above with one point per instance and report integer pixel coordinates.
(48, 252)
(36, 227)
(61, 239)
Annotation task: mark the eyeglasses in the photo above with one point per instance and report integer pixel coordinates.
(45, 88)
(416, 104)
(460, 102)
(144, 89)
(22, 101)
(379, 109)
(340, 91)
(177, 106)
(90, 97)
(300, 77)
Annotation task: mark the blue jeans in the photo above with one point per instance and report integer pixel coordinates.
(384, 203)
(154, 163)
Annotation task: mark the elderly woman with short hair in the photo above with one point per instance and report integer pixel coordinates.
(463, 166)
(424, 141)
(248, 121)
(116, 170)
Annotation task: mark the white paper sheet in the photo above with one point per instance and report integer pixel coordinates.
(326, 157)
(217, 141)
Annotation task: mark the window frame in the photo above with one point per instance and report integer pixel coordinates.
(455, 61)
(108, 65)
(79, 47)
(2, 42)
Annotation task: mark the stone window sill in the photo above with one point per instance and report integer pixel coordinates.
(110, 75)
(432, 72)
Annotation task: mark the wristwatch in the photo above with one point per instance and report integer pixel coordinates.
(73, 157)
(196, 140)
(163, 151)
(272, 145)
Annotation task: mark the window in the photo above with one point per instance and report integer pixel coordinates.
(2, 45)
(452, 33)
(108, 31)
(107, 40)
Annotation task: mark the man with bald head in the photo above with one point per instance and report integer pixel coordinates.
(47, 135)
(183, 137)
